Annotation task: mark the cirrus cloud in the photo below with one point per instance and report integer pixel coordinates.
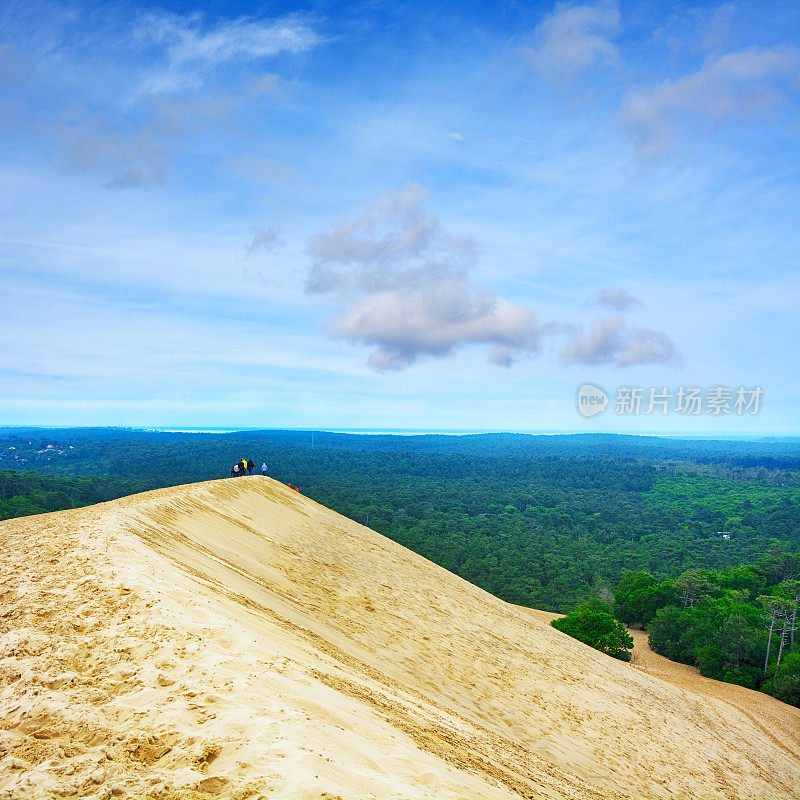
(152, 99)
(574, 37)
(192, 53)
(735, 87)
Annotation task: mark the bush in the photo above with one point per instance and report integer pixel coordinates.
(671, 635)
(639, 596)
(592, 623)
(734, 653)
(785, 681)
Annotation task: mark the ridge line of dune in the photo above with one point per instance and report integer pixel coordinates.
(402, 716)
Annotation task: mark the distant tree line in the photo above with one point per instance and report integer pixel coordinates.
(765, 453)
(25, 493)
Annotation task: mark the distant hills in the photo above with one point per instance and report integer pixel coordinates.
(765, 451)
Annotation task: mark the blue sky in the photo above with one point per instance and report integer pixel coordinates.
(397, 214)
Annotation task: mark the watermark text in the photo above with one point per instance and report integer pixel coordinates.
(632, 401)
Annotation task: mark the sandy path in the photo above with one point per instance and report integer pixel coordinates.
(235, 638)
(765, 712)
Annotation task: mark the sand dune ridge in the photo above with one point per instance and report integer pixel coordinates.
(236, 639)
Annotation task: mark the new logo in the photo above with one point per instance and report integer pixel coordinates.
(592, 400)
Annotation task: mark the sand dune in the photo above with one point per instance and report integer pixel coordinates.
(236, 639)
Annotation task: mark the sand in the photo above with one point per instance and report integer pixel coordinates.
(236, 639)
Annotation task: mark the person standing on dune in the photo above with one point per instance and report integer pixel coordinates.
(250, 467)
(264, 469)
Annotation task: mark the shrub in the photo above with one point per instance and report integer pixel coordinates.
(592, 623)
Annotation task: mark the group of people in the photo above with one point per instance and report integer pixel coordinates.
(242, 467)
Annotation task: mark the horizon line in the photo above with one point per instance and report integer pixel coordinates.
(413, 431)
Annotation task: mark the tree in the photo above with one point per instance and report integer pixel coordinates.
(787, 611)
(785, 681)
(639, 596)
(791, 590)
(592, 623)
(671, 634)
(778, 609)
(747, 579)
(628, 595)
(691, 584)
(734, 652)
(780, 563)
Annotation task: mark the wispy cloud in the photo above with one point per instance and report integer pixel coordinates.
(193, 52)
(573, 38)
(90, 142)
(703, 30)
(263, 239)
(131, 154)
(715, 33)
(262, 169)
(736, 87)
(403, 287)
(129, 130)
(611, 341)
(618, 299)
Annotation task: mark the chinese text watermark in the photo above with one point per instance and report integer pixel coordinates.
(631, 401)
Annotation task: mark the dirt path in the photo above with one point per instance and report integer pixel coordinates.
(771, 716)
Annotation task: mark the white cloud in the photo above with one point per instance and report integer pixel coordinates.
(645, 346)
(192, 53)
(573, 38)
(402, 286)
(393, 243)
(263, 239)
(619, 299)
(736, 87)
(611, 341)
(434, 320)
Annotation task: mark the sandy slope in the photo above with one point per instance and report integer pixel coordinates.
(766, 713)
(236, 639)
